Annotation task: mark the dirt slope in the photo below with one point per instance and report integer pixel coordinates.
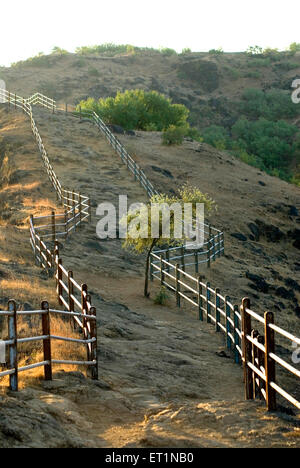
(161, 382)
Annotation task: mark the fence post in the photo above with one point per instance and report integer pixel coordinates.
(270, 363)
(208, 306)
(254, 350)
(168, 260)
(151, 269)
(177, 286)
(80, 117)
(46, 341)
(196, 262)
(13, 348)
(94, 357)
(15, 101)
(59, 279)
(182, 258)
(218, 315)
(53, 225)
(162, 275)
(84, 293)
(71, 291)
(66, 223)
(261, 364)
(247, 348)
(80, 214)
(228, 316)
(208, 253)
(222, 245)
(236, 335)
(200, 300)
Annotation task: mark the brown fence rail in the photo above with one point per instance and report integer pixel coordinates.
(89, 328)
(256, 351)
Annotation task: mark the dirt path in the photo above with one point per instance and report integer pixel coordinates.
(154, 358)
(162, 383)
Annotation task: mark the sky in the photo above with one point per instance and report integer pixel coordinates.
(32, 26)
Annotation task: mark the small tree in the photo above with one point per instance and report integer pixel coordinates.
(141, 221)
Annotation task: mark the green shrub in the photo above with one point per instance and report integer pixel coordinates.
(272, 105)
(186, 51)
(161, 297)
(93, 71)
(216, 136)
(219, 51)
(271, 142)
(254, 50)
(294, 47)
(137, 109)
(40, 60)
(173, 135)
(253, 74)
(167, 51)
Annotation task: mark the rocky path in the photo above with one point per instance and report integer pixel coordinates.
(164, 377)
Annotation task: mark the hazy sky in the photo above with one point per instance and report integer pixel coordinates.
(31, 26)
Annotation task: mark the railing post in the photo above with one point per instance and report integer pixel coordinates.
(200, 300)
(66, 223)
(46, 341)
(84, 293)
(228, 316)
(261, 364)
(80, 214)
(94, 355)
(217, 305)
(53, 226)
(71, 291)
(13, 348)
(182, 258)
(196, 262)
(177, 285)
(247, 348)
(59, 280)
(223, 245)
(254, 351)
(270, 363)
(168, 260)
(208, 253)
(151, 269)
(208, 306)
(162, 275)
(236, 335)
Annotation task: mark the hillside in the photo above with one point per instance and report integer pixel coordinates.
(160, 368)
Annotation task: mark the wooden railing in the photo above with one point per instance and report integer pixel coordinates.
(255, 350)
(43, 229)
(87, 319)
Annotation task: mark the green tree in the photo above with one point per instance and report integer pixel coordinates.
(140, 223)
(138, 109)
